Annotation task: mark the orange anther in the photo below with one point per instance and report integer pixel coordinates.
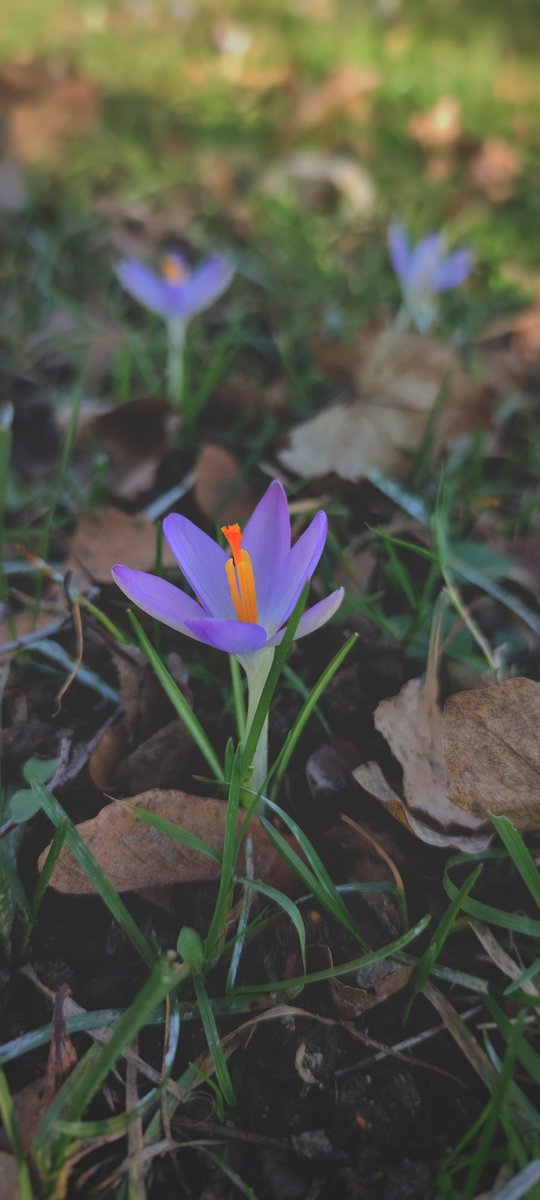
(233, 533)
(172, 269)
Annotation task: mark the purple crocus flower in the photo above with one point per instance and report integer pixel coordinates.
(242, 602)
(175, 292)
(425, 270)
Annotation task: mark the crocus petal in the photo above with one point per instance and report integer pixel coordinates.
(267, 539)
(424, 263)
(314, 617)
(158, 598)
(398, 248)
(235, 637)
(452, 271)
(202, 562)
(144, 285)
(205, 285)
(297, 568)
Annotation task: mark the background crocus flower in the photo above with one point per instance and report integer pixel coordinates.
(424, 271)
(243, 600)
(176, 294)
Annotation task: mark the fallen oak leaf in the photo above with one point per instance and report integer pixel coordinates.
(135, 855)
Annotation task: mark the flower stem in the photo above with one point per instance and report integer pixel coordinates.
(176, 332)
(257, 668)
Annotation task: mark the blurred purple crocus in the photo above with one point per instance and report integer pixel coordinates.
(424, 271)
(242, 602)
(176, 294)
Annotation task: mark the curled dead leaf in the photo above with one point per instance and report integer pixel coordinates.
(136, 856)
(397, 381)
(306, 172)
(480, 755)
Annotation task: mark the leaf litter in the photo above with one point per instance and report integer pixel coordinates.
(440, 770)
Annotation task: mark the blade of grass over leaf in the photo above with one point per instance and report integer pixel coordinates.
(86, 860)
(44, 877)
(178, 700)
(374, 956)
(175, 832)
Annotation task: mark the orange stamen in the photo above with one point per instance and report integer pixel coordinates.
(172, 269)
(240, 576)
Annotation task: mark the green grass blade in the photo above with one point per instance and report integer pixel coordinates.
(315, 876)
(231, 847)
(11, 1127)
(176, 832)
(288, 906)
(85, 1080)
(86, 860)
(444, 928)
(488, 913)
(520, 855)
(499, 1100)
(284, 756)
(214, 1041)
(178, 700)
(374, 956)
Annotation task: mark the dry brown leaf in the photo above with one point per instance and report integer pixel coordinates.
(146, 748)
(340, 92)
(43, 108)
(398, 381)
(104, 536)
(492, 752)
(134, 855)
(26, 623)
(480, 755)
(219, 489)
(88, 340)
(494, 169)
(440, 128)
(136, 437)
(375, 984)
